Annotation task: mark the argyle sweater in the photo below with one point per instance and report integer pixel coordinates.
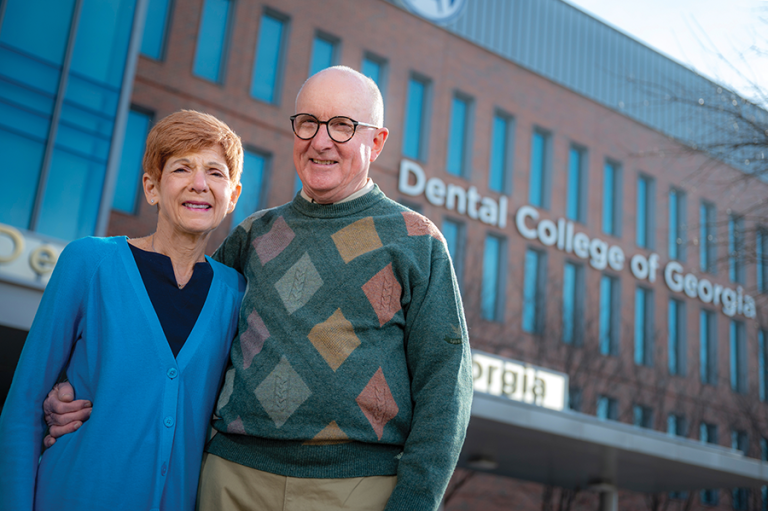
(353, 357)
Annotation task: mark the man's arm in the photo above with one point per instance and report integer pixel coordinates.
(63, 413)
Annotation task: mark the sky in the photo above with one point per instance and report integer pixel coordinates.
(694, 32)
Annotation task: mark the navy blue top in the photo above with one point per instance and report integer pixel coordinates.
(177, 309)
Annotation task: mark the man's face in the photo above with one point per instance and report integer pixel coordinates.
(330, 171)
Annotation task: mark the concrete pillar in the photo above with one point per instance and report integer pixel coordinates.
(609, 500)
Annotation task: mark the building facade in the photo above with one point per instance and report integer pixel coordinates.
(587, 237)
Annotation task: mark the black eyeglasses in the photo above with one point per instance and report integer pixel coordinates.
(341, 129)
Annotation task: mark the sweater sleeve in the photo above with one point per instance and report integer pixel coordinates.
(46, 352)
(439, 360)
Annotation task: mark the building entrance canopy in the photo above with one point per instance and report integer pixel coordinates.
(574, 450)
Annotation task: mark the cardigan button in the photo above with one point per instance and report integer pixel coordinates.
(168, 421)
(164, 469)
(172, 373)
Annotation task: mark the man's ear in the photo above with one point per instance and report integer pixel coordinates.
(378, 142)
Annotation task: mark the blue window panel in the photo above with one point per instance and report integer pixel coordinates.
(89, 95)
(71, 176)
(457, 138)
(674, 220)
(82, 143)
(46, 39)
(606, 315)
(252, 179)
(499, 154)
(24, 122)
(28, 72)
(642, 212)
(707, 347)
(323, 54)
(737, 362)
(640, 326)
(574, 206)
(609, 199)
(26, 98)
(763, 364)
(19, 187)
(569, 303)
(414, 119)
(736, 249)
(129, 176)
(761, 257)
(266, 69)
(673, 337)
(607, 408)
(374, 70)
(491, 274)
(88, 120)
(537, 174)
(155, 25)
(450, 232)
(707, 237)
(212, 39)
(531, 298)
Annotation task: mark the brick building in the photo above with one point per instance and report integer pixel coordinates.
(606, 267)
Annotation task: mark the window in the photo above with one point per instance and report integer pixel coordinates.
(611, 199)
(642, 416)
(270, 50)
(454, 232)
(252, 179)
(645, 233)
(676, 349)
(575, 396)
(740, 442)
(492, 279)
(644, 326)
(707, 237)
(761, 257)
(708, 435)
(415, 119)
(155, 28)
(324, 53)
(676, 425)
(538, 190)
(677, 225)
(500, 173)
(573, 299)
(533, 291)
(212, 40)
(708, 347)
(458, 137)
(576, 203)
(609, 315)
(762, 338)
(129, 176)
(375, 68)
(738, 358)
(764, 457)
(736, 249)
(607, 408)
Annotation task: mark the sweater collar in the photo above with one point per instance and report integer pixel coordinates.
(338, 209)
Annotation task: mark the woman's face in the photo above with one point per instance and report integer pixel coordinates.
(194, 193)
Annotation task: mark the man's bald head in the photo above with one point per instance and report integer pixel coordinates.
(364, 88)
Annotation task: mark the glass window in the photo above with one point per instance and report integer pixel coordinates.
(539, 186)
(576, 201)
(212, 40)
(708, 435)
(677, 221)
(645, 231)
(456, 161)
(533, 291)
(267, 69)
(155, 27)
(575, 396)
(415, 117)
(573, 294)
(499, 174)
(762, 339)
(740, 496)
(375, 68)
(676, 349)
(707, 237)
(611, 199)
(761, 256)
(324, 51)
(736, 249)
(676, 425)
(738, 357)
(643, 326)
(708, 347)
(642, 416)
(453, 232)
(129, 176)
(609, 315)
(252, 180)
(492, 276)
(607, 408)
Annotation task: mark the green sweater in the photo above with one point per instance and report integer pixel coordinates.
(353, 357)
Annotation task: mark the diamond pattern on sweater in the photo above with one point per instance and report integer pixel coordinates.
(282, 392)
(299, 284)
(334, 339)
(357, 239)
(377, 403)
(226, 390)
(252, 340)
(383, 291)
(330, 435)
(236, 426)
(270, 245)
(419, 225)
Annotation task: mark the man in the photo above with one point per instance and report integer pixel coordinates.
(349, 384)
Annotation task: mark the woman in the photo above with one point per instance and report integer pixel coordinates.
(143, 328)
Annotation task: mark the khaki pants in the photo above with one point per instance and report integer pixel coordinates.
(228, 486)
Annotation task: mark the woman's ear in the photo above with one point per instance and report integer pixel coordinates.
(235, 195)
(151, 189)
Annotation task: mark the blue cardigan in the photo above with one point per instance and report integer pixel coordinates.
(142, 446)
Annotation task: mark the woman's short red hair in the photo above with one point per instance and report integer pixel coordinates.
(189, 131)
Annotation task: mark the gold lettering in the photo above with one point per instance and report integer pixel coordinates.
(16, 238)
(43, 259)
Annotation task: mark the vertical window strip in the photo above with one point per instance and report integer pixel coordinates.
(252, 181)
(491, 267)
(155, 27)
(674, 235)
(642, 212)
(212, 40)
(673, 337)
(323, 54)
(606, 315)
(499, 154)
(574, 202)
(531, 292)
(609, 198)
(457, 141)
(763, 364)
(736, 249)
(414, 119)
(267, 67)
(569, 303)
(640, 326)
(538, 155)
(738, 357)
(129, 176)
